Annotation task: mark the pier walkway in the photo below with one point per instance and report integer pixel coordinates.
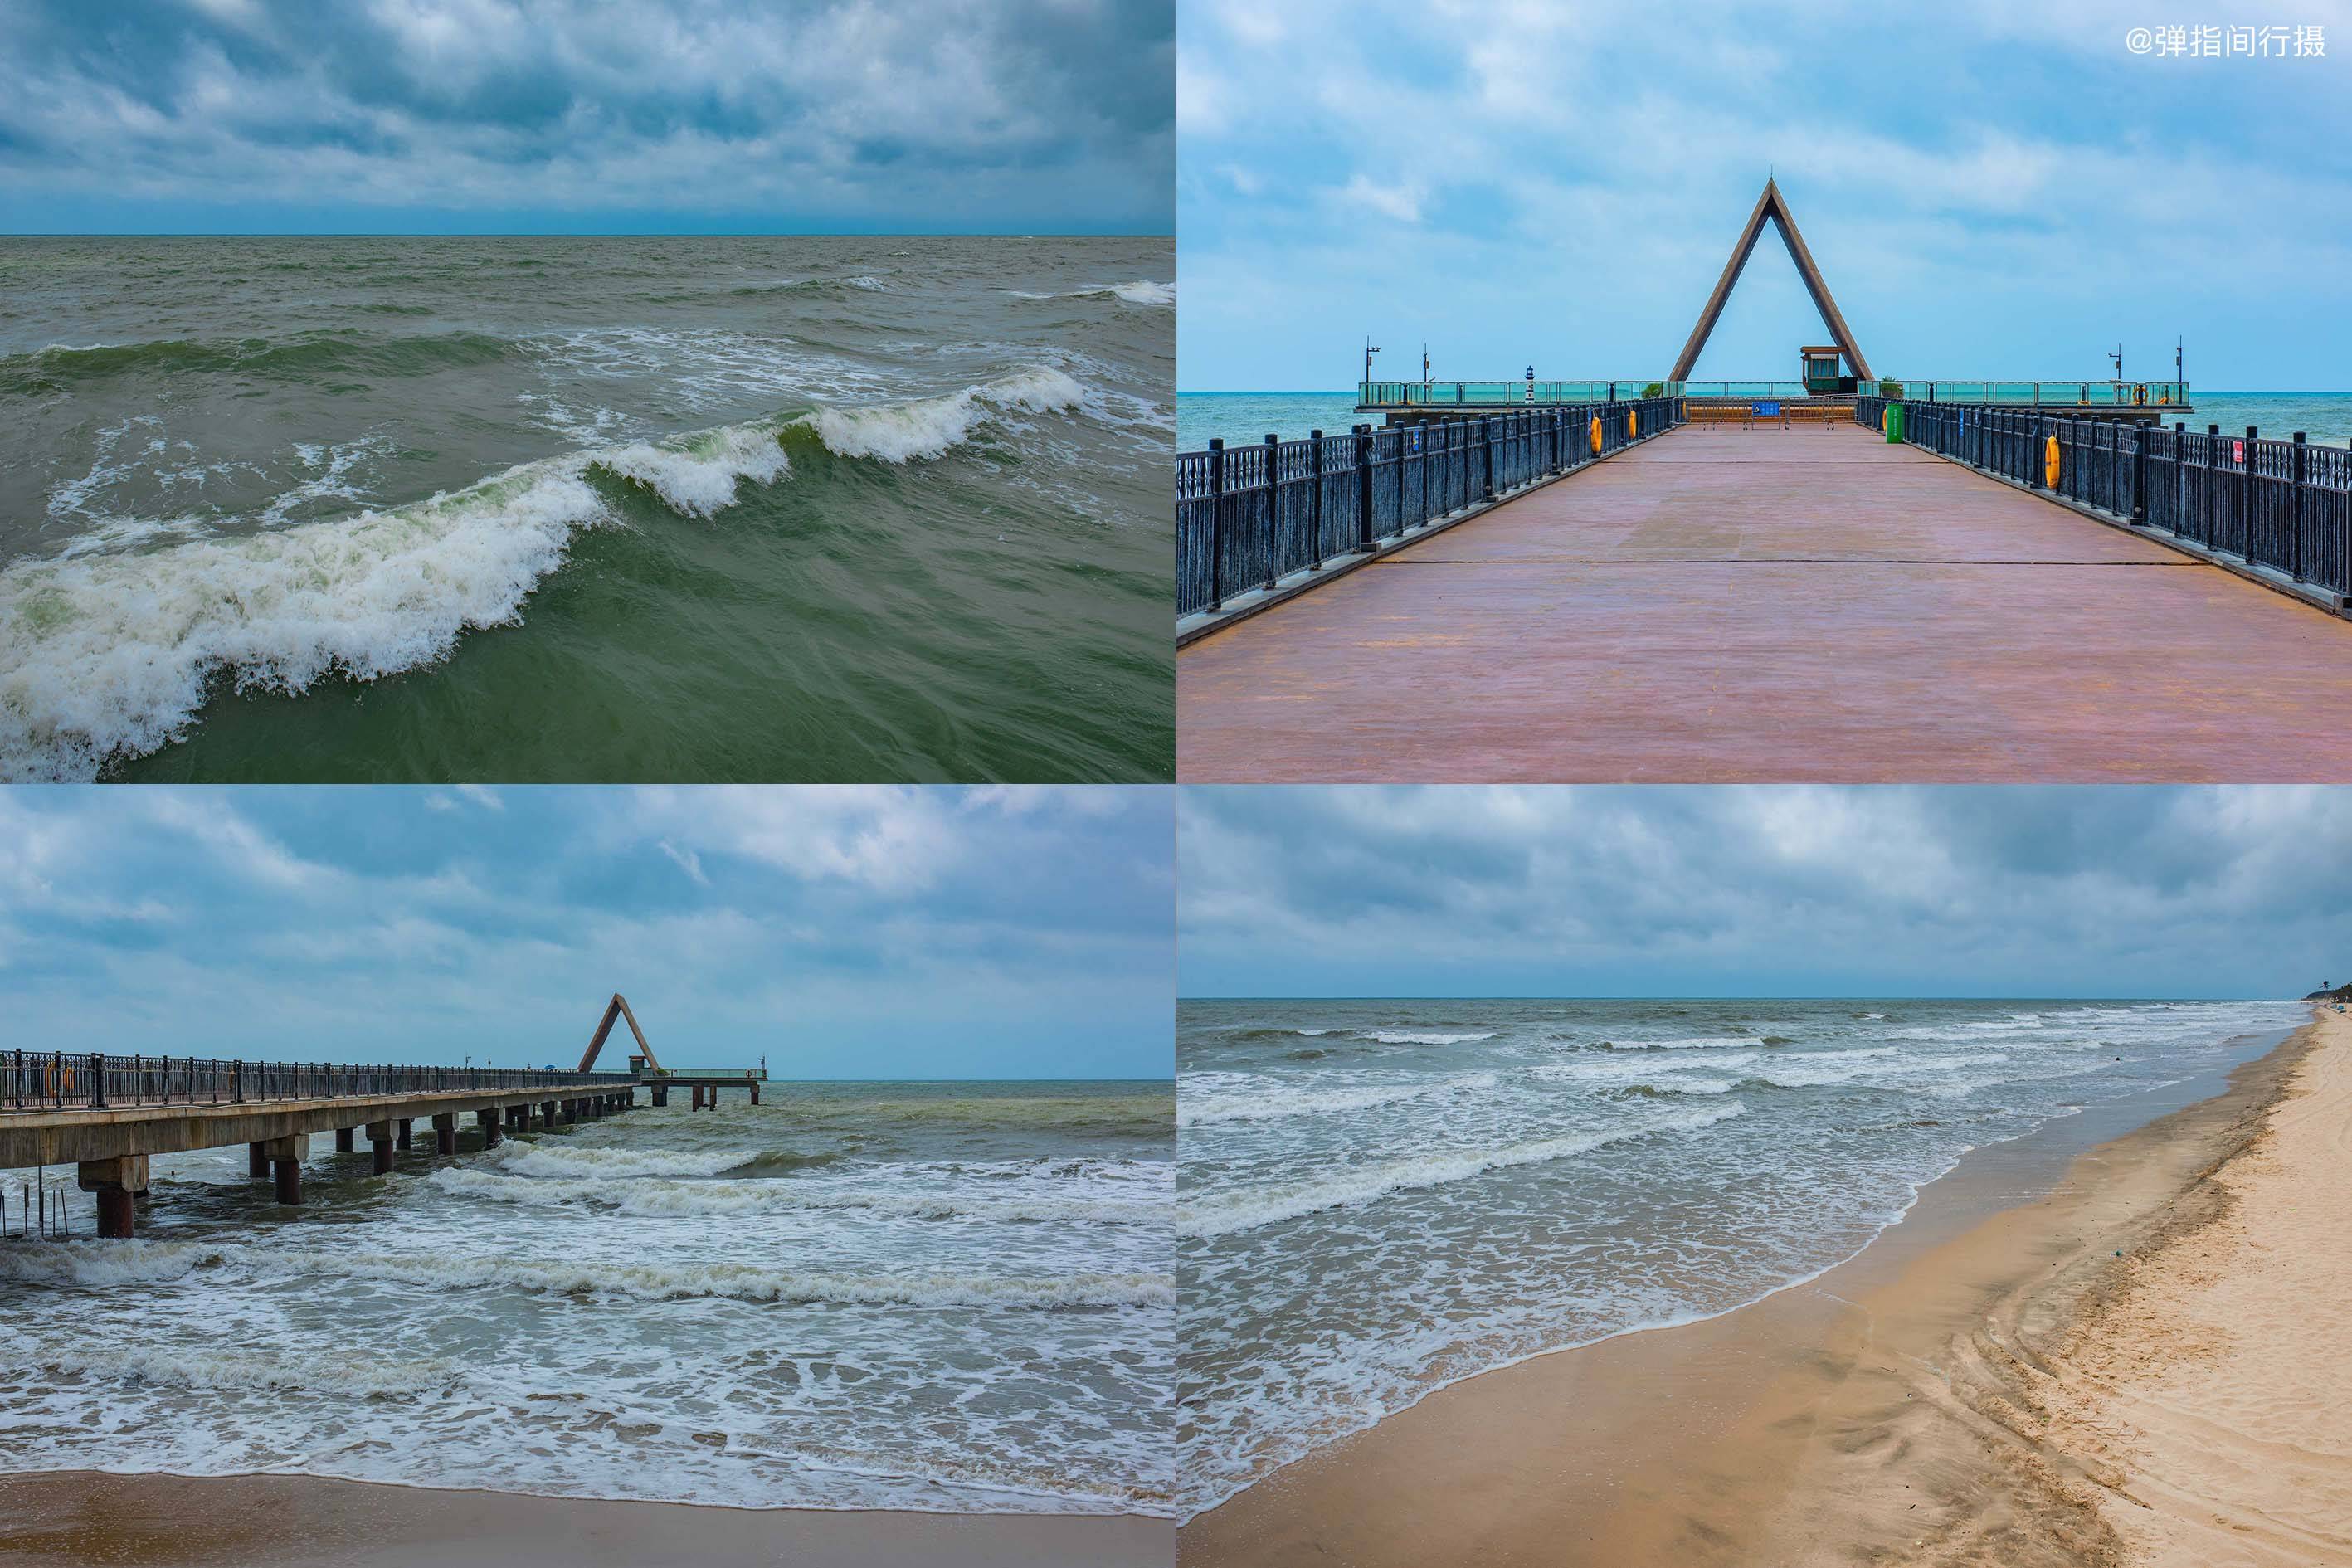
(109, 1115)
(1811, 605)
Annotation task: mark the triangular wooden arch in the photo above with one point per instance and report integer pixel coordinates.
(1770, 205)
(618, 1007)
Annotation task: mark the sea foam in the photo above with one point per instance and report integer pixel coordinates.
(111, 1264)
(1250, 1207)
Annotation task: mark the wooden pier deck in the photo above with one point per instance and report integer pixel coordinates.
(1741, 606)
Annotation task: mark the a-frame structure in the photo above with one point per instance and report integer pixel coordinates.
(618, 1007)
(1771, 205)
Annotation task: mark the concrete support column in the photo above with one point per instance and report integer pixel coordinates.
(755, 1091)
(342, 1140)
(401, 1142)
(661, 1096)
(285, 1156)
(490, 1120)
(697, 1097)
(547, 1114)
(256, 1163)
(445, 1134)
(380, 1137)
(115, 1181)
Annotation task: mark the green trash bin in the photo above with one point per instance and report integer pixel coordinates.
(1894, 424)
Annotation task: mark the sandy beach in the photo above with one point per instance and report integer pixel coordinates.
(300, 1521)
(2112, 1352)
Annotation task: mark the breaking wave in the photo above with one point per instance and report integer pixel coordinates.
(1249, 1208)
(106, 1264)
(1141, 291)
(658, 1195)
(1273, 1099)
(927, 427)
(110, 655)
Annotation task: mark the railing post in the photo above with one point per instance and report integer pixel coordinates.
(2294, 512)
(2139, 472)
(1273, 507)
(2213, 476)
(1216, 523)
(2246, 495)
(1487, 452)
(236, 1082)
(1364, 488)
(1315, 499)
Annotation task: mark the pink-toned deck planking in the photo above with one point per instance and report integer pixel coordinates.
(1805, 605)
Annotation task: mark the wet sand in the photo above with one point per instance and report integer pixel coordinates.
(1883, 1414)
(298, 1522)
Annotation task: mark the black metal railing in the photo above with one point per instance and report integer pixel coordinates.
(95, 1081)
(2286, 505)
(1248, 516)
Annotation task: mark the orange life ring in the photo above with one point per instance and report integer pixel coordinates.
(2050, 463)
(1596, 434)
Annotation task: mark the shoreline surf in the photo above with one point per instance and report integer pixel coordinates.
(1307, 1503)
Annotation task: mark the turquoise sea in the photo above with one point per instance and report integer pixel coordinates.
(1238, 416)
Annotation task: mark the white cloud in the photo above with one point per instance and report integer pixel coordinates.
(1399, 201)
(688, 861)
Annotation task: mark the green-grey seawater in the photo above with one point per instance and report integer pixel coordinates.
(586, 509)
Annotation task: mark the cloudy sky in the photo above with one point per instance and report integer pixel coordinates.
(527, 116)
(1764, 891)
(843, 932)
(1995, 189)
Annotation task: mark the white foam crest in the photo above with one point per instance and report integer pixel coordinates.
(572, 1158)
(109, 655)
(657, 1196)
(1270, 1099)
(698, 475)
(1250, 1209)
(1628, 1067)
(105, 1264)
(1413, 1037)
(1141, 292)
(929, 426)
(1691, 1042)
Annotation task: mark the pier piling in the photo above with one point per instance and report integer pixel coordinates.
(114, 1180)
(285, 1156)
(400, 1141)
(342, 1140)
(256, 1163)
(380, 1137)
(489, 1125)
(445, 1134)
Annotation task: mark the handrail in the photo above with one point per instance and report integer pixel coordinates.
(1250, 515)
(2285, 505)
(97, 1080)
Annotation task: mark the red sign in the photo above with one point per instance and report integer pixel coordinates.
(2237, 452)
